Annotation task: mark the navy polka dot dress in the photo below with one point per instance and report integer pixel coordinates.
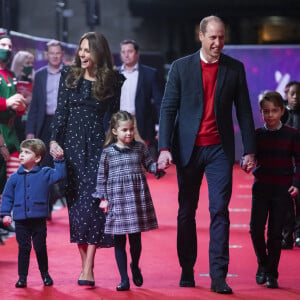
(78, 126)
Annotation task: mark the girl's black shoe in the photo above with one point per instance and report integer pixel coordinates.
(123, 286)
(136, 275)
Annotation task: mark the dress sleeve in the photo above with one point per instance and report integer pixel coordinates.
(102, 177)
(62, 111)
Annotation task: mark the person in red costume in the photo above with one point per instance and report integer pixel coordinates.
(11, 105)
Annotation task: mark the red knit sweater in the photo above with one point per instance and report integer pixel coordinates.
(208, 133)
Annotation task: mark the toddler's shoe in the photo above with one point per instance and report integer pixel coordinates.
(47, 280)
(297, 242)
(22, 282)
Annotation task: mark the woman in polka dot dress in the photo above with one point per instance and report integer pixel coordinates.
(89, 93)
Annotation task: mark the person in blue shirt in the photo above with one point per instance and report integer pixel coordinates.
(26, 194)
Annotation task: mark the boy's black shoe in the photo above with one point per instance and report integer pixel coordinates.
(47, 280)
(297, 242)
(21, 283)
(272, 282)
(136, 275)
(286, 244)
(261, 276)
(187, 279)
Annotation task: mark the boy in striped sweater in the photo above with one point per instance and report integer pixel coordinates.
(276, 183)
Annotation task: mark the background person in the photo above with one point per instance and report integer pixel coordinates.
(141, 94)
(22, 66)
(196, 126)
(11, 105)
(291, 117)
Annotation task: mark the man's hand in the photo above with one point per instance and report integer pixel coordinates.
(164, 160)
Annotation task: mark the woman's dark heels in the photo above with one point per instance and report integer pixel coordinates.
(86, 282)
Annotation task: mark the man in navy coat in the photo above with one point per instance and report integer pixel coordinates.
(141, 94)
(196, 133)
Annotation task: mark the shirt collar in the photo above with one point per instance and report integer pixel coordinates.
(135, 68)
(203, 59)
(279, 126)
(60, 67)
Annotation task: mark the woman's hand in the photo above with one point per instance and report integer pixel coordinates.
(55, 150)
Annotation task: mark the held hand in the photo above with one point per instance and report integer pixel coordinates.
(293, 191)
(6, 220)
(104, 205)
(55, 150)
(248, 162)
(164, 160)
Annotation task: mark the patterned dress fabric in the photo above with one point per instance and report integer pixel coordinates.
(122, 181)
(78, 126)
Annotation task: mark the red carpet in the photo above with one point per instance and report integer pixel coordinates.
(159, 261)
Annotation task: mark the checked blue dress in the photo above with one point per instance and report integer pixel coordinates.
(122, 181)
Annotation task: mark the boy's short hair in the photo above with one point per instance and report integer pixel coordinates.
(35, 145)
(271, 96)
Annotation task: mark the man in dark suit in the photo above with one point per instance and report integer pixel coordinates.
(141, 94)
(43, 105)
(196, 126)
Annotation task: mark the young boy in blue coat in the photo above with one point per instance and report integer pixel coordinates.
(26, 194)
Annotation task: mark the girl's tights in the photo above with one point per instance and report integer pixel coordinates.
(120, 252)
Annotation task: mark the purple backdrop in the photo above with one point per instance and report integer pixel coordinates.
(267, 68)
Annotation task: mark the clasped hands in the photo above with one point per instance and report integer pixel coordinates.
(55, 150)
(164, 160)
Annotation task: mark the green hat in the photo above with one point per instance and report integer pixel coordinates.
(5, 36)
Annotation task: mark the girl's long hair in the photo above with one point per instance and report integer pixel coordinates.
(121, 115)
(106, 78)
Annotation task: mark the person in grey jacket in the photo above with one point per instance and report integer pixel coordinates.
(26, 194)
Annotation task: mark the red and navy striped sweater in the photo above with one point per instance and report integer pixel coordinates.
(278, 156)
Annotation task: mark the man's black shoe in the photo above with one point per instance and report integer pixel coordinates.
(272, 282)
(220, 286)
(261, 276)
